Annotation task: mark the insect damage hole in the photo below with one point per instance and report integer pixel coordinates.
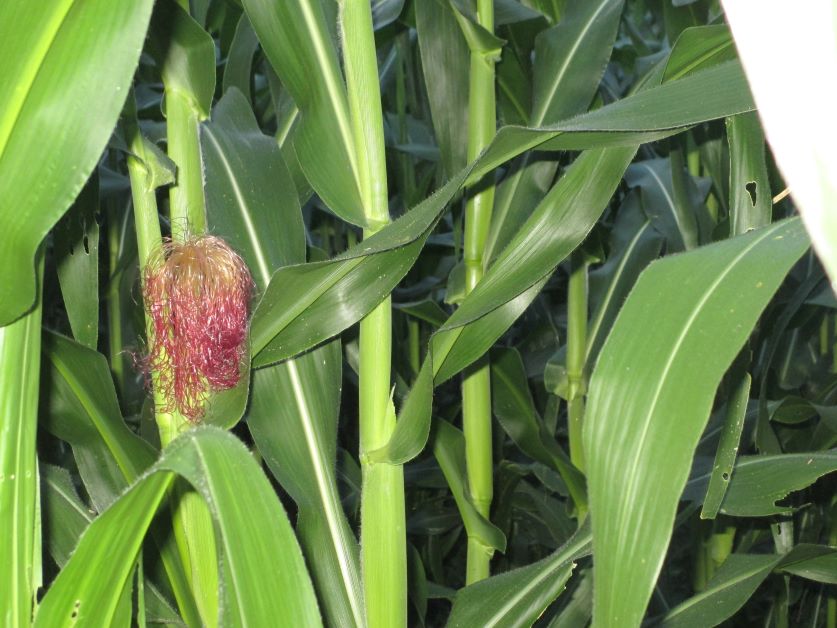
(751, 190)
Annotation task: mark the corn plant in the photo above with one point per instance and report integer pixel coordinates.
(417, 312)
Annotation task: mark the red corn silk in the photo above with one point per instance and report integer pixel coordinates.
(197, 295)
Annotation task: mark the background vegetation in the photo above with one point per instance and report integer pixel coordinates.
(537, 336)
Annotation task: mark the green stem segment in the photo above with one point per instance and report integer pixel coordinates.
(192, 523)
(383, 527)
(188, 210)
(476, 383)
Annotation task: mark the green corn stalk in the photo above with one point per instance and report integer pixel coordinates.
(476, 383)
(383, 527)
(192, 523)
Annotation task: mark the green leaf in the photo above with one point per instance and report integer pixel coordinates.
(758, 482)
(515, 410)
(449, 450)
(750, 203)
(293, 418)
(240, 58)
(250, 524)
(20, 364)
(296, 40)
(736, 581)
(699, 47)
(654, 179)
(634, 244)
(65, 517)
(252, 203)
(445, 62)
(77, 250)
(519, 597)
(681, 327)
(306, 304)
(722, 470)
(802, 140)
(250, 197)
(69, 56)
(82, 409)
(570, 59)
(558, 225)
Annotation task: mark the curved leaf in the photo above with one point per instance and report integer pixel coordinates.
(679, 330)
(250, 526)
(296, 40)
(307, 304)
(66, 68)
(519, 597)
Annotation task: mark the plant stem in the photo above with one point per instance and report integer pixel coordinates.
(576, 353)
(149, 238)
(383, 527)
(188, 211)
(20, 367)
(476, 383)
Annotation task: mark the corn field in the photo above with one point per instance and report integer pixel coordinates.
(387, 313)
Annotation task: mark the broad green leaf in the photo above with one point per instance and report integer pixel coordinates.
(727, 447)
(736, 581)
(296, 40)
(293, 418)
(557, 226)
(65, 518)
(264, 581)
(819, 568)
(250, 197)
(306, 304)
(519, 597)
(66, 56)
(679, 330)
(294, 406)
(445, 63)
(802, 141)
(634, 244)
(77, 250)
(750, 203)
(20, 364)
(758, 482)
(570, 59)
(239, 64)
(579, 608)
(449, 450)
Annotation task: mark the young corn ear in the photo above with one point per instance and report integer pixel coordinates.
(197, 296)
